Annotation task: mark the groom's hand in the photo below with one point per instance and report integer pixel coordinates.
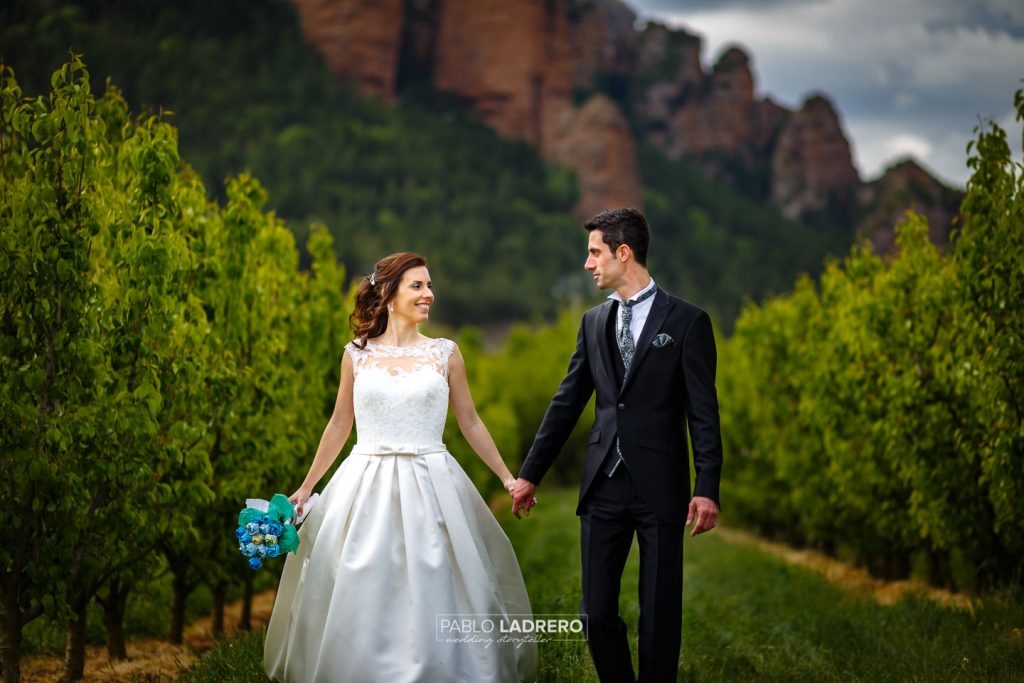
(522, 497)
(705, 512)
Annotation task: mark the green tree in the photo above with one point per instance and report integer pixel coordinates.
(164, 357)
(879, 413)
(770, 442)
(250, 291)
(989, 248)
(145, 323)
(52, 361)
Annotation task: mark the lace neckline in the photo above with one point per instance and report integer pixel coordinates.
(426, 341)
(402, 360)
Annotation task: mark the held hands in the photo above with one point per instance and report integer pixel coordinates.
(522, 496)
(705, 512)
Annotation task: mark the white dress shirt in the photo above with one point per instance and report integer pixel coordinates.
(640, 311)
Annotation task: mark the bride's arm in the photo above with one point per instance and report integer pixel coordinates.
(334, 437)
(470, 424)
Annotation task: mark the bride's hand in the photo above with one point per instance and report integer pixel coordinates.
(299, 498)
(509, 484)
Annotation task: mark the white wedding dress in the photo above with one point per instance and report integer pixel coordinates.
(399, 541)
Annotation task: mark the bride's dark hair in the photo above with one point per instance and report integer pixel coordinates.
(370, 317)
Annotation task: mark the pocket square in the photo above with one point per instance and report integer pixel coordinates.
(663, 340)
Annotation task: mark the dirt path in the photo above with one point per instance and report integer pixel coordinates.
(151, 660)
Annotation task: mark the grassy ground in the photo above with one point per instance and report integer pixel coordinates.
(747, 616)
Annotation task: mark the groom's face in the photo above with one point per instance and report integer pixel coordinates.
(602, 263)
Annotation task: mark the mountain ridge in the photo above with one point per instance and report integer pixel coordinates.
(249, 94)
(530, 70)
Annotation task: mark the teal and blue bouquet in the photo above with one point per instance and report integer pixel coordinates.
(265, 529)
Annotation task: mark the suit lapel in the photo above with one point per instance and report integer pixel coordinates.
(655, 320)
(604, 360)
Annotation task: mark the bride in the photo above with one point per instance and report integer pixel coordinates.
(400, 545)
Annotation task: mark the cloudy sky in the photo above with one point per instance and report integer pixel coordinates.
(907, 76)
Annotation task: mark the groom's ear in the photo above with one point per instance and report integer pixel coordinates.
(623, 252)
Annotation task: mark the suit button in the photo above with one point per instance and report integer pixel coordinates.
(622, 406)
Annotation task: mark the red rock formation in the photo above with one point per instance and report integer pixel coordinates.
(669, 55)
(905, 186)
(812, 169)
(360, 40)
(518, 64)
(602, 43)
(668, 72)
(768, 118)
(598, 143)
(721, 119)
(509, 61)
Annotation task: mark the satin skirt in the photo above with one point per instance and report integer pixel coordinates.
(396, 545)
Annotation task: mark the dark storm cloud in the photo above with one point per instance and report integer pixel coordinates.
(907, 76)
(993, 16)
(684, 6)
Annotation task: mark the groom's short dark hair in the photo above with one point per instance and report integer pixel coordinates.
(623, 226)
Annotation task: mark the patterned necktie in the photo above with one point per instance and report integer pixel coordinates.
(627, 347)
(624, 337)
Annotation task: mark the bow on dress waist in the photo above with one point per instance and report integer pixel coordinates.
(397, 449)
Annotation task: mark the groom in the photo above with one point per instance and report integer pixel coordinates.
(651, 359)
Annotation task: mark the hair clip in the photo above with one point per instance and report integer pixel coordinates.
(373, 278)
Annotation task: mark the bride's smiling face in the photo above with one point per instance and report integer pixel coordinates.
(414, 296)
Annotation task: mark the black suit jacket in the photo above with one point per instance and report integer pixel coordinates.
(665, 390)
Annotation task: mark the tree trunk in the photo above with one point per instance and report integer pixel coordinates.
(219, 591)
(891, 565)
(245, 623)
(897, 566)
(113, 618)
(74, 654)
(10, 640)
(181, 591)
(873, 563)
(997, 569)
(940, 573)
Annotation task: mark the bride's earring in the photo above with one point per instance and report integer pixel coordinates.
(391, 308)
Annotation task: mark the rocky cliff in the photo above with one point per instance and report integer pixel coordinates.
(580, 79)
(799, 160)
(596, 140)
(905, 186)
(509, 62)
(811, 166)
(515, 65)
(602, 44)
(360, 40)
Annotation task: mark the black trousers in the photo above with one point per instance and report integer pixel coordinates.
(611, 514)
